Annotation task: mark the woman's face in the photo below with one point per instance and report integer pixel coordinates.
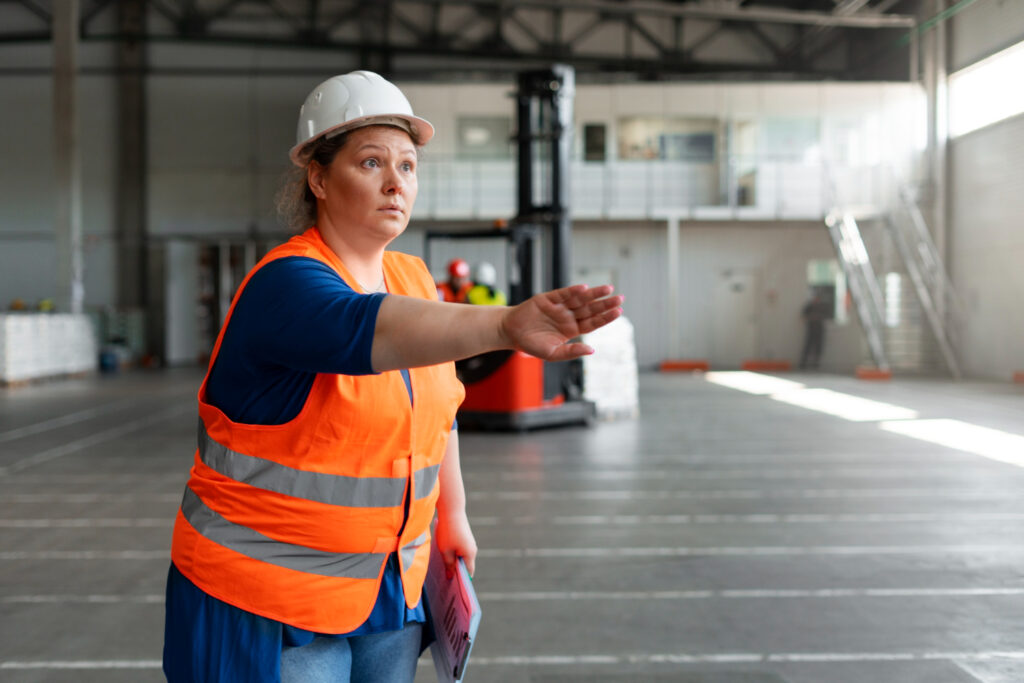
(368, 190)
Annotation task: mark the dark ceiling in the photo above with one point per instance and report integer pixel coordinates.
(447, 39)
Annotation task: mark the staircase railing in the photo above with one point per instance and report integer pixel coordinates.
(931, 282)
(861, 281)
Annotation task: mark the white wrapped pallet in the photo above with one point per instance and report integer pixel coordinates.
(610, 376)
(38, 345)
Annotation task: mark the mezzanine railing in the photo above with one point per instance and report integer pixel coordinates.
(737, 188)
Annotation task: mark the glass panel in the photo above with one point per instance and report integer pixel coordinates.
(484, 137)
(594, 138)
(670, 139)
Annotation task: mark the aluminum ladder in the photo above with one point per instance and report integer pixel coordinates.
(931, 282)
(860, 280)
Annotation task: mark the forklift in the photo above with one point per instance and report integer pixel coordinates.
(510, 390)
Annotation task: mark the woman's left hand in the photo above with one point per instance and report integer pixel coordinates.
(455, 540)
(543, 324)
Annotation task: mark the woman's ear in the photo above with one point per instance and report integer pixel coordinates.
(316, 177)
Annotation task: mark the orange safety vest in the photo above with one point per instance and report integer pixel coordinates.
(295, 522)
(448, 294)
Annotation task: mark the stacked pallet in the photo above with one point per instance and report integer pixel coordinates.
(610, 374)
(38, 345)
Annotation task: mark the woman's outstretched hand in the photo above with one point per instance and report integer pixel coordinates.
(543, 324)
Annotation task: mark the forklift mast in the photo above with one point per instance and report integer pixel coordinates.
(506, 389)
(544, 108)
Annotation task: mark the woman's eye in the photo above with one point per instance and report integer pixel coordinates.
(371, 163)
(407, 167)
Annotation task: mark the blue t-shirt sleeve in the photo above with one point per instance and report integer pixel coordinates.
(298, 313)
(295, 318)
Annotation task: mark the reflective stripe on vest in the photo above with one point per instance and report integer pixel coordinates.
(409, 549)
(253, 544)
(333, 489)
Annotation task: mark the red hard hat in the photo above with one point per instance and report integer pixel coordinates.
(458, 268)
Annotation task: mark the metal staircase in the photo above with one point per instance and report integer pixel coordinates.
(860, 280)
(924, 268)
(932, 284)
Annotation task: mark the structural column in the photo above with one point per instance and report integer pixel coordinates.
(67, 160)
(131, 169)
(672, 247)
(934, 49)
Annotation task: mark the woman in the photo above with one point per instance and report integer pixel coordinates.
(326, 437)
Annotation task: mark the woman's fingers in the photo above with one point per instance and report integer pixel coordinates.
(577, 296)
(570, 352)
(598, 320)
(598, 307)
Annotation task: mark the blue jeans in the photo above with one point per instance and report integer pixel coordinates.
(388, 657)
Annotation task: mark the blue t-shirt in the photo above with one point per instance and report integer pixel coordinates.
(296, 318)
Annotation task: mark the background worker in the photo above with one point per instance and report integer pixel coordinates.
(814, 314)
(484, 291)
(457, 286)
(325, 435)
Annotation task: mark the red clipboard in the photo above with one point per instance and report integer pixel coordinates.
(455, 615)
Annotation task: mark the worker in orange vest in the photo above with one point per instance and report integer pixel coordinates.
(456, 287)
(326, 436)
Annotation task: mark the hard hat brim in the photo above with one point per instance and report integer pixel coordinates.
(420, 130)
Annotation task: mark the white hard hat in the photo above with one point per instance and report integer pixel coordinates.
(485, 274)
(353, 100)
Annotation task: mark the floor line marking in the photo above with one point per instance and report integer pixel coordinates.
(575, 520)
(792, 518)
(742, 551)
(82, 523)
(84, 664)
(661, 474)
(712, 494)
(90, 497)
(743, 494)
(95, 439)
(644, 456)
(605, 659)
(57, 599)
(521, 596)
(746, 594)
(576, 553)
(64, 420)
(85, 555)
(743, 658)
(106, 478)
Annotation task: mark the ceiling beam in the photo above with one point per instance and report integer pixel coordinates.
(724, 12)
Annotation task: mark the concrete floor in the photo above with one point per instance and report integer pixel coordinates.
(722, 537)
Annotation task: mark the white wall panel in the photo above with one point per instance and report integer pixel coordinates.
(695, 99)
(638, 99)
(987, 238)
(741, 100)
(775, 254)
(798, 99)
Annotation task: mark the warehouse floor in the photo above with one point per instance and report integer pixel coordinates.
(730, 534)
